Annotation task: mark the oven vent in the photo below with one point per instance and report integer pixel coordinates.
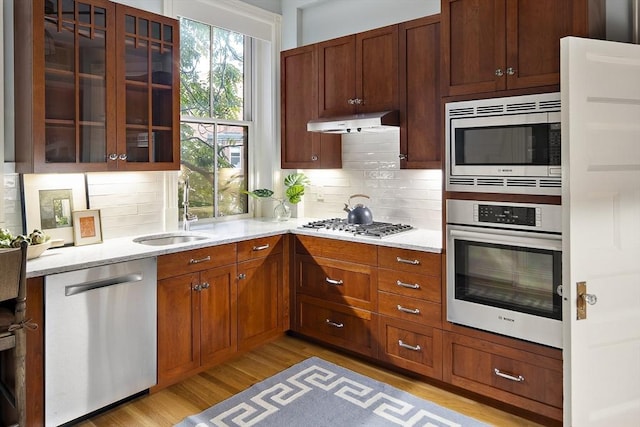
(496, 182)
(551, 183)
(461, 112)
(553, 105)
(520, 107)
(511, 182)
(490, 109)
(461, 181)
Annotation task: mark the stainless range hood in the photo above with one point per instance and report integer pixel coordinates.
(364, 122)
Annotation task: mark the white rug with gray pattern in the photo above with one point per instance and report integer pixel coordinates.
(318, 393)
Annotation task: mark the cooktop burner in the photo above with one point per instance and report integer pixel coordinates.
(376, 229)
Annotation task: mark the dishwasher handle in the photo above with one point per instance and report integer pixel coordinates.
(88, 286)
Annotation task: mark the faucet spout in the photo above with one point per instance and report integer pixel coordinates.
(187, 217)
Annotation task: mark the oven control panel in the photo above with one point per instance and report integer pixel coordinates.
(504, 214)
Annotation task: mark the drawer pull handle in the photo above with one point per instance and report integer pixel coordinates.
(334, 324)
(408, 310)
(408, 261)
(409, 347)
(261, 248)
(198, 261)
(408, 285)
(333, 281)
(517, 379)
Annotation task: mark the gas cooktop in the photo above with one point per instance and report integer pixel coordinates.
(376, 229)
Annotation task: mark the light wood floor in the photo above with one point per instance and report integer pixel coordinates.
(171, 405)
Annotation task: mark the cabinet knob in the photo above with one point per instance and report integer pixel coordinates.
(205, 285)
(351, 101)
(242, 276)
(113, 156)
(402, 156)
(197, 287)
(359, 101)
(122, 156)
(499, 72)
(314, 158)
(511, 71)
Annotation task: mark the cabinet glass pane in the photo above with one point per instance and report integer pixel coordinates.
(130, 24)
(100, 17)
(92, 99)
(60, 144)
(156, 30)
(161, 64)
(143, 27)
(58, 46)
(163, 146)
(68, 10)
(84, 13)
(167, 33)
(137, 105)
(51, 8)
(93, 143)
(162, 113)
(138, 145)
(59, 97)
(136, 60)
(92, 53)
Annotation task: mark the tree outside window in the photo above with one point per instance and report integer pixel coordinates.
(214, 128)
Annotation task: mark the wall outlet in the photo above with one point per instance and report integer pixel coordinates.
(319, 193)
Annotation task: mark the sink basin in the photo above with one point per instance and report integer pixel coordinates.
(169, 239)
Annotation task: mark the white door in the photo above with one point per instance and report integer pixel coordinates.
(601, 231)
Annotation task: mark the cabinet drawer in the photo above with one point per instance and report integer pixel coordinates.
(492, 369)
(337, 281)
(196, 260)
(411, 309)
(360, 253)
(259, 248)
(410, 346)
(410, 284)
(412, 261)
(337, 324)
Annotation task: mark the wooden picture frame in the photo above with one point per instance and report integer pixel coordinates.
(87, 227)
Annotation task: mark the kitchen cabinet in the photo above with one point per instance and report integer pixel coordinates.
(197, 311)
(98, 84)
(261, 292)
(510, 44)
(528, 380)
(358, 73)
(299, 104)
(420, 108)
(410, 310)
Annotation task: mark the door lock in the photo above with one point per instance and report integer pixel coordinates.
(583, 299)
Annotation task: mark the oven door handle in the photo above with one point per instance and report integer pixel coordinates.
(509, 237)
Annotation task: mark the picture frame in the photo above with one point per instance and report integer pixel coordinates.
(49, 200)
(87, 227)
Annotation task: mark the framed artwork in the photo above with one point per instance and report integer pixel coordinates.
(87, 228)
(49, 200)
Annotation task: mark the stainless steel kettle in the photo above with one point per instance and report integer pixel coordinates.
(359, 214)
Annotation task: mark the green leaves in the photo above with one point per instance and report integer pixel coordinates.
(261, 192)
(295, 183)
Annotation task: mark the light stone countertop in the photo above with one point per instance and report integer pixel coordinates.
(111, 251)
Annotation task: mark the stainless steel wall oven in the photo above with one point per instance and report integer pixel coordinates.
(504, 269)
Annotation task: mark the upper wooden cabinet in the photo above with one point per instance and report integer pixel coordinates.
(493, 45)
(299, 104)
(420, 108)
(98, 85)
(358, 73)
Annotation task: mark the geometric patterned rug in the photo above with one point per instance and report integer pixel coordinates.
(316, 393)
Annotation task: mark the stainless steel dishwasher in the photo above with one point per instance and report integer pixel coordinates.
(100, 337)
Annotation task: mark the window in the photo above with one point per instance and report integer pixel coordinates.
(215, 103)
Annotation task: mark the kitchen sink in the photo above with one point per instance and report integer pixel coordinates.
(167, 239)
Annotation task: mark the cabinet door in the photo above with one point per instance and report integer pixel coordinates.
(420, 109)
(259, 300)
(299, 98)
(473, 46)
(376, 70)
(218, 314)
(148, 84)
(178, 327)
(336, 77)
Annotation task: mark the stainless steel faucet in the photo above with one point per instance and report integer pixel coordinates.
(187, 217)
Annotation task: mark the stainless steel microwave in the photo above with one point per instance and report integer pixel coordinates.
(504, 145)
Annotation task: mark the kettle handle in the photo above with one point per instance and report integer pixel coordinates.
(358, 195)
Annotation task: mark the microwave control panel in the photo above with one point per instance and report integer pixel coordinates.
(504, 214)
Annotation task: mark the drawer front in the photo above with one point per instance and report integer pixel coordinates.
(337, 281)
(259, 248)
(494, 367)
(410, 284)
(360, 253)
(410, 309)
(412, 261)
(347, 327)
(414, 347)
(196, 260)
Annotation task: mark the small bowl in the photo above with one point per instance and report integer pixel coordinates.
(34, 251)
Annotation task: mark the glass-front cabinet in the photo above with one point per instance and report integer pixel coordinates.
(96, 88)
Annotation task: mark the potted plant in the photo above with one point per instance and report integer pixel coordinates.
(294, 184)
